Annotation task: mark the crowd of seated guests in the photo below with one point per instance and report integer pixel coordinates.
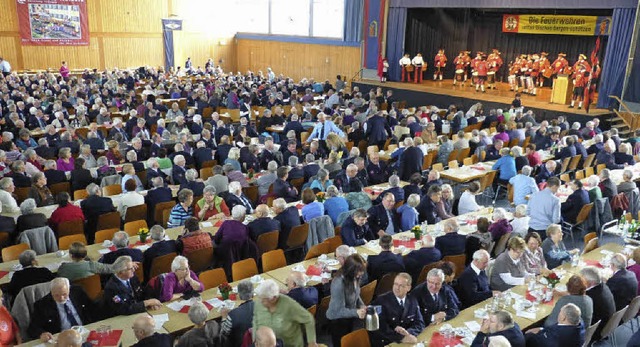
(155, 141)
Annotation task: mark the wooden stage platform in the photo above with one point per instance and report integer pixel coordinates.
(467, 95)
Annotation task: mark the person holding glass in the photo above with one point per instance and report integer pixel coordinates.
(533, 256)
(554, 250)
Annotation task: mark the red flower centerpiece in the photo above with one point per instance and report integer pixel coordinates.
(225, 289)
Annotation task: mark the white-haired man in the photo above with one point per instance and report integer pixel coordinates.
(473, 283)
(122, 293)
(144, 329)
(437, 302)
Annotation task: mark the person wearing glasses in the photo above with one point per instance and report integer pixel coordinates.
(180, 281)
(123, 294)
(508, 269)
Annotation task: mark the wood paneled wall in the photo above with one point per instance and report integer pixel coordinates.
(298, 60)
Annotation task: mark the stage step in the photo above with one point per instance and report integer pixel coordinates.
(613, 120)
(620, 125)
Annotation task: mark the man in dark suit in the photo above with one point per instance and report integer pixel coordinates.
(94, 206)
(240, 317)
(607, 186)
(290, 151)
(410, 160)
(355, 229)
(383, 217)
(400, 319)
(201, 154)
(288, 217)
(416, 260)
(94, 142)
(386, 261)
(473, 283)
(499, 323)
(378, 130)
(378, 171)
(623, 284)
(159, 248)
(144, 327)
(571, 208)
(269, 154)
(154, 171)
(118, 129)
(428, 207)
(263, 223)
(569, 331)
(305, 296)
(437, 304)
(121, 242)
(20, 178)
(52, 174)
(451, 243)
(46, 152)
(347, 180)
(546, 171)
(310, 168)
(122, 293)
(157, 194)
(295, 170)
(604, 305)
(179, 170)
(569, 151)
(30, 274)
(282, 188)
(61, 309)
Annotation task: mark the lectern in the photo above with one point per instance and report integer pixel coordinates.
(562, 90)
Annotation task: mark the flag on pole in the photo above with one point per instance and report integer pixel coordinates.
(590, 88)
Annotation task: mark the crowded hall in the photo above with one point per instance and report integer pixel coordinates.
(309, 176)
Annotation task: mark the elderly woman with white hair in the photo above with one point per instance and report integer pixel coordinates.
(520, 222)
(8, 202)
(29, 219)
(181, 281)
(211, 206)
(191, 182)
(233, 157)
(468, 201)
(500, 225)
(283, 315)
(334, 204)
(203, 333)
(89, 159)
(627, 183)
(408, 212)
(231, 237)
(593, 185)
(555, 252)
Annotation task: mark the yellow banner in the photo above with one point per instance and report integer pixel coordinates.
(556, 24)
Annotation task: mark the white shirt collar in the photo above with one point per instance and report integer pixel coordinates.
(475, 268)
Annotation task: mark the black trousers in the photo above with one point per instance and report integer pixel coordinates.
(340, 328)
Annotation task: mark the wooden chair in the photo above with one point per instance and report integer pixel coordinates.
(71, 227)
(298, 237)
(132, 228)
(200, 259)
(588, 161)
(323, 307)
(268, 241)
(573, 164)
(501, 245)
(582, 217)
(333, 242)
(313, 310)
(165, 218)
(385, 283)
(357, 338)
(66, 241)
(206, 172)
(590, 246)
(209, 163)
(459, 261)
(467, 161)
(453, 155)
(91, 286)
(565, 178)
(337, 230)
(244, 269)
(13, 252)
(588, 171)
(108, 221)
(135, 213)
(589, 237)
(157, 214)
(110, 190)
(612, 324)
(317, 250)
(59, 188)
(106, 234)
(565, 165)
(464, 153)
(212, 278)
(161, 264)
(437, 167)
(422, 277)
(22, 193)
(580, 174)
(599, 169)
(453, 164)
(427, 161)
(251, 193)
(80, 194)
(367, 291)
(631, 312)
(142, 175)
(588, 335)
(273, 260)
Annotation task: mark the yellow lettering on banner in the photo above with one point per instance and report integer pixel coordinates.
(555, 24)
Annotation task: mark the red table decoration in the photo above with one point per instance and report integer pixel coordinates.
(533, 299)
(438, 340)
(411, 244)
(594, 263)
(112, 339)
(219, 223)
(185, 309)
(3, 273)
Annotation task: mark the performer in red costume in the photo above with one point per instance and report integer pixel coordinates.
(495, 63)
(545, 69)
(440, 63)
(580, 76)
(460, 64)
(482, 68)
(559, 65)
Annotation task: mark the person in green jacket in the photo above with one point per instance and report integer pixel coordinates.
(79, 267)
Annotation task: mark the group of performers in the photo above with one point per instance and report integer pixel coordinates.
(527, 72)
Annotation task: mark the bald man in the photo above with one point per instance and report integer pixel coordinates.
(305, 296)
(144, 331)
(70, 338)
(266, 338)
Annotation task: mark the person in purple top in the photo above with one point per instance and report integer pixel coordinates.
(181, 280)
(231, 236)
(635, 268)
(501, 224)
(65, 160)
(502, 134)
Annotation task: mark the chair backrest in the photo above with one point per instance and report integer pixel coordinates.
(317, 250)
(80, 194)
(212, 278)
(588, 171)
(313, 310)
(132, 228)
(161, 264)
(599, 168)
(297, 183)
(251, 193)
(200, 259)
(584, 213)
(385, 283)
(205, 173)
(91, 285)
(437, 167)
(459, 261)
(632, 310)
(106, 234)
(244, 269)
(464, 153)
(423, 273)
(573, 164)
(273, 260)
(590, 246)
(22, 193)
(59, 188)
(135, 213)
(165, 218)
(108, 221)
(588, 335)
(588, 161)
(565, 178)
(580, 174)
(467, 161)
(157, 214)
(13, 252)
(613, 322)
(333, 243)
(589, 236)
(357, 338)
(112, 189)
(453, 164)
(367, 291)
(298, 236)
(66, 241)
(71, 227)
(268, 241)
(501, 245)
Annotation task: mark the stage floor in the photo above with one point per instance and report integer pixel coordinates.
(501, 95)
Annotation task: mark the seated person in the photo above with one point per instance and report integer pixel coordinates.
(312, 208)
(263, 223)
(571, 208)
(568, 331)
(193, 238)
(473, 283)
(144, 329)
(554, 250)
(451, 243)
(400, 319)
(180, 281)
(500, 225)
(203, 333)
(437, 304)
(61, 309)
(282, 188)
(211, 206)
(499, 323)
(417, 259)
(191, 182)
(297, 290)
(355, 229)
(508, 271)
(30, 274)
(386, 261)
(121, 243)
(123, 294)
(80, 265)
(409, 214)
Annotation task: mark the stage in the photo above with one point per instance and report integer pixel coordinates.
(444, 93)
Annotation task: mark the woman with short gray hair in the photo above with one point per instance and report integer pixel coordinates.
(29, 219)
(627, 184)
(321, 182)
(89, 160)
(408, 212)
(203, 333)
(7, 201)
(39, 190)
(334, 205)
(181, 281)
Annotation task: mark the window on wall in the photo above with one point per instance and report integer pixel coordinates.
(251, 16)
(328, 18)
(290, 17)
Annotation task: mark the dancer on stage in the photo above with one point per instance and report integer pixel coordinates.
(582, 60)
(482, 68)
(405, 63)
(495, 63)
(467, 66)
(534, 72)
(440, 63)
(580, 76)
(559, 65)
(460, 63)
(514, 70)
(545, 69)
(418, 65)
(383, 70)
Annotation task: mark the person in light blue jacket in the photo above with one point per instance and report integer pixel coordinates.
(408, 212)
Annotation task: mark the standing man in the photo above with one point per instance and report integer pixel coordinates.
(5, 67)
(544, 207)
(545, 69)
(482, 68)
(440, 63)
(405, 62)
(322, 129)
(580, 76)
(188, 65)
(377, 130)
(417, 63)
(559, 65)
